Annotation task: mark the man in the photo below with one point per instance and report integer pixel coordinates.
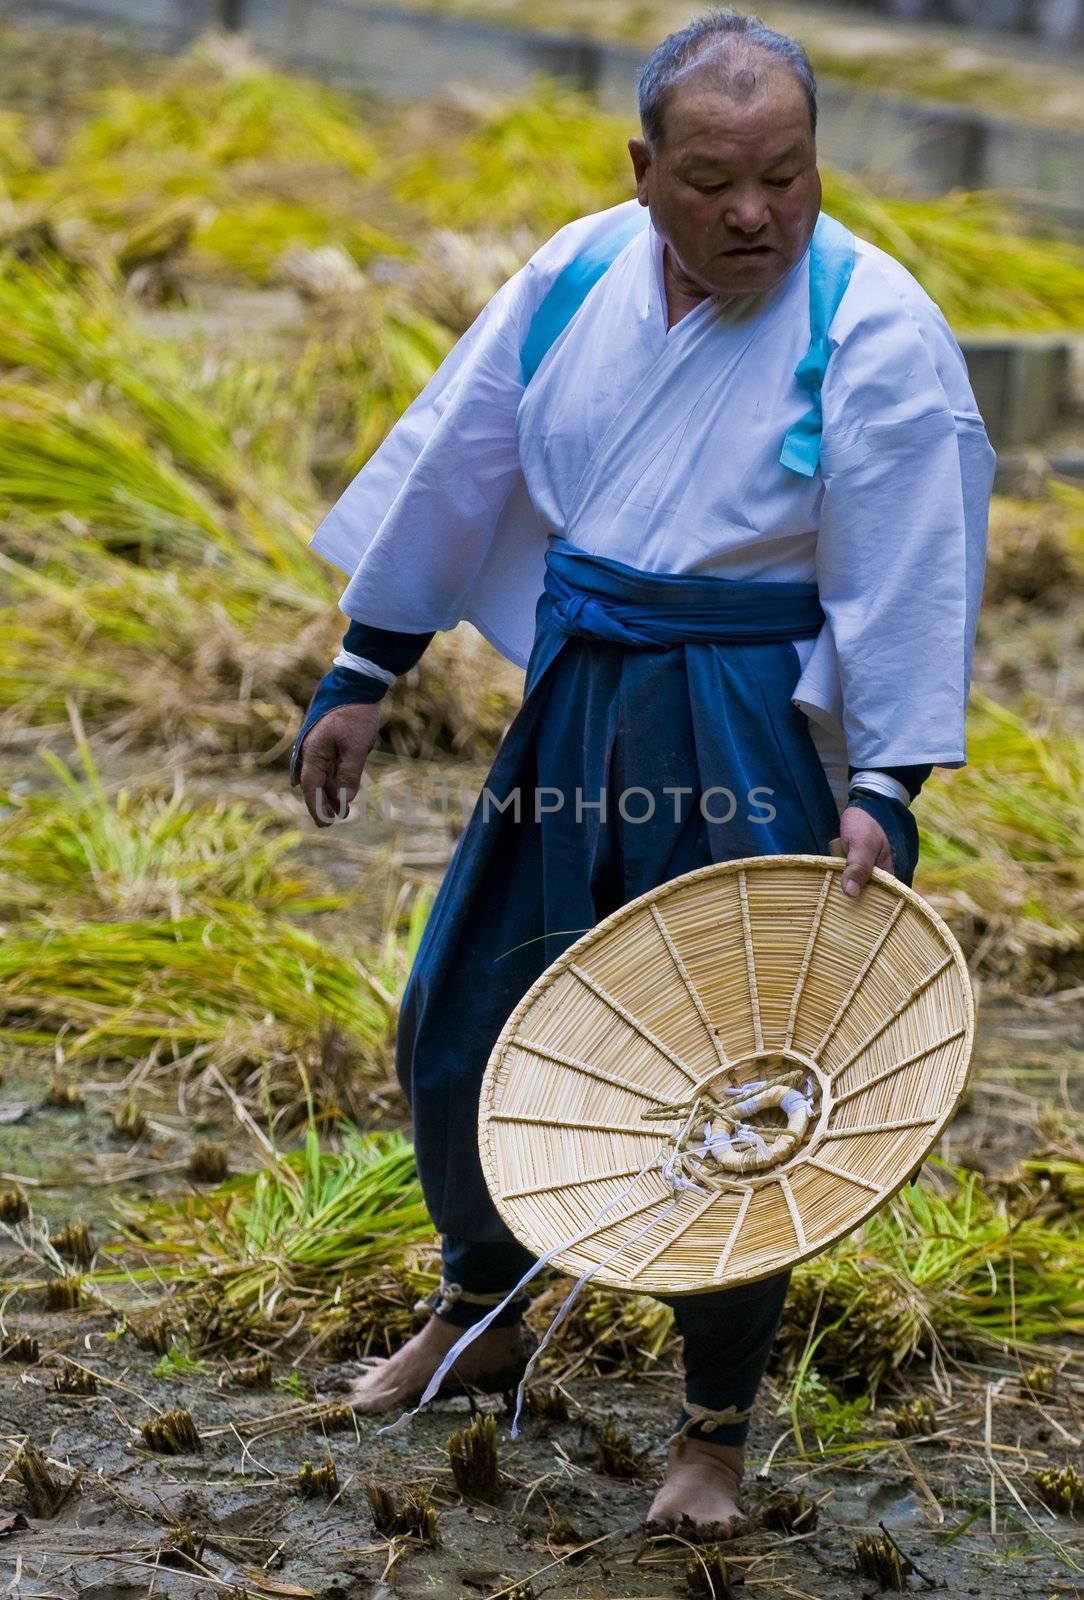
(713, 471)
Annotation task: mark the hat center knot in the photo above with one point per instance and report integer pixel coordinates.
(734, 1128)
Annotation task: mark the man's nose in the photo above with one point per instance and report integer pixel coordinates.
(747, 211)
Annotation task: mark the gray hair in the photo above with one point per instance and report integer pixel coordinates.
(680, 52)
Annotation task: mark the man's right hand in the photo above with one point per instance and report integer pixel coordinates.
(333, 757)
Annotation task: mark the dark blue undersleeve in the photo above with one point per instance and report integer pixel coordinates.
(342, 686)
(899, 826)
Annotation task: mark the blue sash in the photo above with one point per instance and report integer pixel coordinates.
(596, 597)
(831, 262)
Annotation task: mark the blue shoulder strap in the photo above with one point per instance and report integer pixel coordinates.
(831, 262)
(570, 289)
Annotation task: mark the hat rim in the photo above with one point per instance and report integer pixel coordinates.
(601, 1276)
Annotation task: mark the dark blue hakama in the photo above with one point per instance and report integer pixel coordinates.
(656, 735)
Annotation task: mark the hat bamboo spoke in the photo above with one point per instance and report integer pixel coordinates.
(749, 1052)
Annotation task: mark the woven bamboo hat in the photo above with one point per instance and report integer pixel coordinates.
(726, 1075)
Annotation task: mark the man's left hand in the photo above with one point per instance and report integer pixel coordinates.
(866, 847)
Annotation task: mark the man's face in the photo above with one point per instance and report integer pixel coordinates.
(734, 190)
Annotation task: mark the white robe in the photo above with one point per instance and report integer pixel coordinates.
(659, 448)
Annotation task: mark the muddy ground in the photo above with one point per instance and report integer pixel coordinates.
(959, 1503)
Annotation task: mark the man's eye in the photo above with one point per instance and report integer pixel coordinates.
(712, 188)
(781, 183)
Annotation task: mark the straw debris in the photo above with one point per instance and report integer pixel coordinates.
(154, 1331)
(253, 1374)
(547, 1402)
(472, 1452)
(790, 1513)
(14, 1206)
(314, 1482)
(410, 1515)
(211, 1321)
(707, 1576)
(181, 1547)
(615, 1455)
(22, 1347)
(63, 1095)
(74, 1243)
(209, 1162)
(877, 1556)
(46, 1493)
(1062, 1491)
(64, 1293)
(377, 1313)
(173, 1433)
(336, 1419)
(917, 1417)
(74, 1379)
(129, 1121)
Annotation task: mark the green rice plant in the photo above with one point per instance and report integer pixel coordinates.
(605, 1333)
(248, 236)
(229, 111)
(177, 1363)
(1057, 1171)
(230, 984)
(956, 1268)
(817, 1406)
(970, 254)
(1065, 1176)
(84, 853)
(228, 149)
(296, 1231)
(539, 161)
(1036, 550)
(116, 429)
(59, 455)
(219, 658)
(16, 155)
(363, 360)
(1003, 846)
(375, 1314)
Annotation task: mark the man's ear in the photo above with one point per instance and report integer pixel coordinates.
(641, 162)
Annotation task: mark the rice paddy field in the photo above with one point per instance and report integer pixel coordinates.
(219, 287)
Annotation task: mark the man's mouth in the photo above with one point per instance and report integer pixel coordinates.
(748, 252)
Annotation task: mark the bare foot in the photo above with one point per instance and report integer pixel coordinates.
(699, 1496)
(493, 1363)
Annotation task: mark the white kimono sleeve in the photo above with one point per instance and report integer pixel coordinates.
(900, 555)
(438, 527)
(415, 523)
